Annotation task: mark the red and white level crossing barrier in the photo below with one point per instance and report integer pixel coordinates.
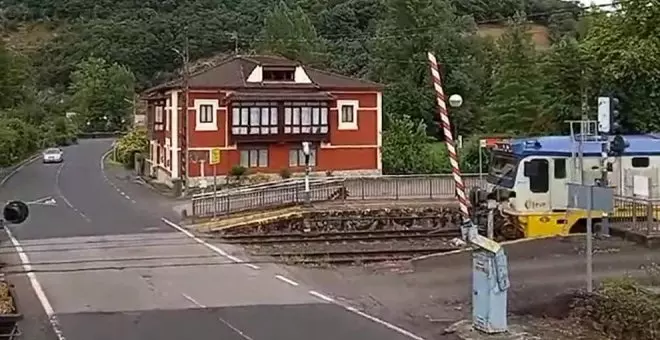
(449, 139)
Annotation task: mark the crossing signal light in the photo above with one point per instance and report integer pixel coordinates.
(15, 212)
(615, 115)
(608, 115)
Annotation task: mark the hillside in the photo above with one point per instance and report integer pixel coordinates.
(523, 67)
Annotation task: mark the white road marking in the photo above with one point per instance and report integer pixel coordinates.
(206, 244)
(195, 302)
(36, 286)
(384, 323)
(105, 177)
(66, 201)
(286, 279)
(238, 331)
(322, 297)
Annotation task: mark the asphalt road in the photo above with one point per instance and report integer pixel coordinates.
(106, 267)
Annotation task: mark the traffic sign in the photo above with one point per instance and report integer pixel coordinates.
(215, 157)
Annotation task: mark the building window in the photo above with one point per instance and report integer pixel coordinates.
(305, 117)
(206, 114)
(254, 118)
(640, 162)
(254, 158)
(285, 74)
(347, 110)
(297, 157)
(158, 115)
(347, 114)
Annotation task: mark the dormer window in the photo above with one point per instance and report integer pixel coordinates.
(279, 74)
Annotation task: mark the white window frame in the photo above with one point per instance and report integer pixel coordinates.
(297, 157)
(202, 114)
(158, 114)
(206, 126)
(342, 125)
(245, 158)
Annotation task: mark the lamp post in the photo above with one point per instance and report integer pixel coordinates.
(306, 151)
(455, 101)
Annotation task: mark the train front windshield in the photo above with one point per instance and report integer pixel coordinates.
(503, 167)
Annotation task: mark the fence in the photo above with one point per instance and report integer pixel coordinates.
(291, 192)
(637, 214)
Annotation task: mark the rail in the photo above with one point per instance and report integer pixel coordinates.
(640, 215)
(291, 192)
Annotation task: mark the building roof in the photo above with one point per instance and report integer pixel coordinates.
(563, 146)
(232, 73)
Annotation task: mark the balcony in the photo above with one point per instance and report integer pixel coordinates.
(279, 121)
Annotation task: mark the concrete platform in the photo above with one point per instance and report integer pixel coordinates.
(627, 232)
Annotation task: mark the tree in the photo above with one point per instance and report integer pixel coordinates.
(517, 96)
(625, 48)
(564, 80)
(290, 33)
(408, 30)
(407, 148)
(102, 95)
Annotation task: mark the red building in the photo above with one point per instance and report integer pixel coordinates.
(258, 110)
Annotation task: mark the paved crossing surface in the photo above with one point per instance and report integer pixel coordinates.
(103, 265)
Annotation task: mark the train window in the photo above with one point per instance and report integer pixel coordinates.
(560, 168)
(537, 171)
(640, 162)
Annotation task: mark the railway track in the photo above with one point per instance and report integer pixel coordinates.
(338, 237)
(347, 247)
(356, 256)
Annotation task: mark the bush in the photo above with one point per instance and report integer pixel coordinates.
(623, 309)
(135, 141)
(238, 172)
(285, 173)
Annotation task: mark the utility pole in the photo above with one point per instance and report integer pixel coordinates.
(184, 134)
(235, 37)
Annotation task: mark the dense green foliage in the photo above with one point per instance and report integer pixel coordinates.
(129, 145)
(508, 84)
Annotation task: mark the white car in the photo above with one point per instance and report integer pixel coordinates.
(53, 155)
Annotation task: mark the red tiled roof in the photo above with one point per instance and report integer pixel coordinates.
(232, 72)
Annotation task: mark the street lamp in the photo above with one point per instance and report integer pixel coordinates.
(455, 100)
(306, 151)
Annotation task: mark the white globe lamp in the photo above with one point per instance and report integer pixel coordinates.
(455, 100)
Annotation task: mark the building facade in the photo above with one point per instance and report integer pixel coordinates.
(257, 110)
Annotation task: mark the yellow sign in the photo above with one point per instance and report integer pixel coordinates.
(215, 157)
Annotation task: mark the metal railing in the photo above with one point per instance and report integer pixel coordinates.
(265, 198)
(291, 192)
(637, 214)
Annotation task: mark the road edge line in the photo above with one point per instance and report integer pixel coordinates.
(213, 248)
(27, 267)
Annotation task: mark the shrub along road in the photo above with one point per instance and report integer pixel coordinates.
(102, 266)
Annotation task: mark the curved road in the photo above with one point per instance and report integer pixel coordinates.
(101, 264)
